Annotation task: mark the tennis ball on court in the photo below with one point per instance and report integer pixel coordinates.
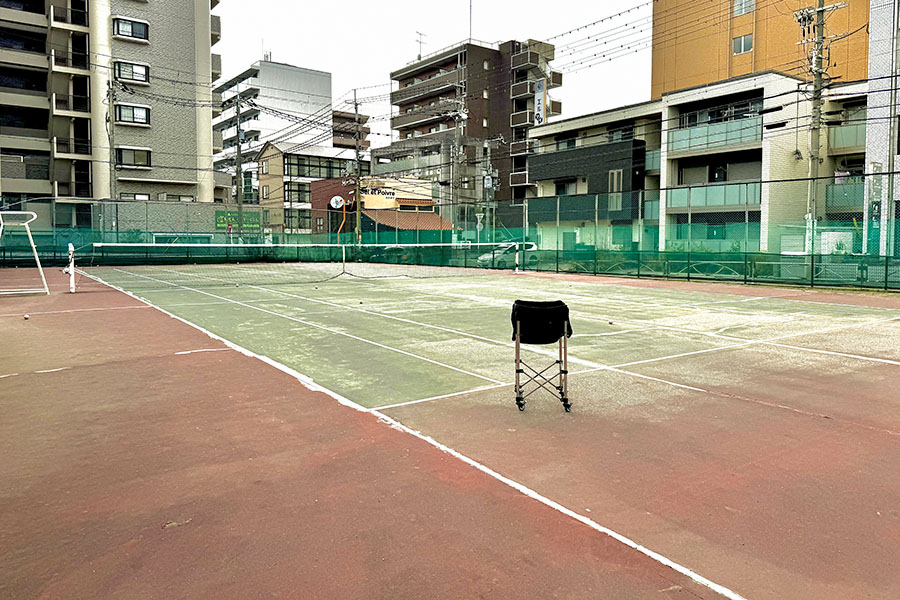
(610, 322)
(27, 317)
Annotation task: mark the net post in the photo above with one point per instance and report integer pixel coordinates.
(517, 257)
(343, 259)
(71, 268)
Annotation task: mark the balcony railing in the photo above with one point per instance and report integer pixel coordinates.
(215, 29)
(29, 167)
(428, 87)
(526, 60)
(554, 108)
(845, 197)
(847, 137)
(74, 60)
(716, 195)
(72, 103)
(72, 146)
(716, 135)
(521, 147)
(520, 178)
(522, 118)
(556, 79)
(70, 16)
(523, 89)
(652, 160)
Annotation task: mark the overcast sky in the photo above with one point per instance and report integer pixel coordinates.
(361, 42)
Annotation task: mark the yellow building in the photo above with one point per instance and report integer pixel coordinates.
(696, 42)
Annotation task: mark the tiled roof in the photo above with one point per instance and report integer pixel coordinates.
(408, 220)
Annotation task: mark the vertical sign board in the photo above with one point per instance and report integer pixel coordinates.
(540, 101)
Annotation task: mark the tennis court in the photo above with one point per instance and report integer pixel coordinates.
(743, 440)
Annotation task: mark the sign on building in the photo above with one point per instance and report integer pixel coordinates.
(540, 101)
(228, 219)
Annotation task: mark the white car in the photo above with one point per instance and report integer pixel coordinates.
(504, 255)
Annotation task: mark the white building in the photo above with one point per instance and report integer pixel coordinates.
(278, 102)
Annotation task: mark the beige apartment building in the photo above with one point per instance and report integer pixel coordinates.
(68, 66)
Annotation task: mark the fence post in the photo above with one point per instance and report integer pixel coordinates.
(812, 266)
(887, 263)
(746, 266)
(689, 264)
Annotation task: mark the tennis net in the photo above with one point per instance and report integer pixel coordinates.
(164, 266)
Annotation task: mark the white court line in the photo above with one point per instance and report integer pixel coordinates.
(73, 310)
(310, 384)
(442, 396)
(322, 327)
(581, 335)
(8, 375)
(201, 350)
(53, 370)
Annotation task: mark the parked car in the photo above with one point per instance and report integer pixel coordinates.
(504, 256)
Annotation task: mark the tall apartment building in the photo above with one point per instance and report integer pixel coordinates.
(463, 115)
(739, 37)
(66, 66)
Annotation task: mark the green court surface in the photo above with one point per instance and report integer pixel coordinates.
(393, 340)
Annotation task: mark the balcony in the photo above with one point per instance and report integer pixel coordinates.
(847, 139)
(27, 13)
(740, 132)
(217, 143)
(523, 89)
(73, 63)
(408, 166)
(422, 116)
(518, 179)
(216, 67)
(524, 118)
(69, 19)
(428, 87)
(652, 160)
(213, 4)
(64, 105)
(555, 80)
(554, 108)
(216, 100)
(215, 29)
(526, 60)
(521, 147)
(72, 149)
(77, 189)
(723, 195)
(847, 197)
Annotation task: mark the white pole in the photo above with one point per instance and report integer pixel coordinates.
(71, 269)
(37, 258)
(517, 256)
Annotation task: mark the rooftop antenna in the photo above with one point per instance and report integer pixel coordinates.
(420, 41)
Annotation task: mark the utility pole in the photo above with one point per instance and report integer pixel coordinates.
(110, 124)
(358, 198)
(239, 166)
(814, 19)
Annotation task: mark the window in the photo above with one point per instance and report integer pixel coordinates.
(131, 29)
(484, 123)
(487, 65)
(742, 7)
(130, 157)
(565, 188)
(132, 72)
(320, 221)
(265, 192)
(743, 43)
(615, 189)
(296, 192)
(484, 93)
(132, 114)
(264, 167)
(565, 143)
(135, 197)
(313, 166)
